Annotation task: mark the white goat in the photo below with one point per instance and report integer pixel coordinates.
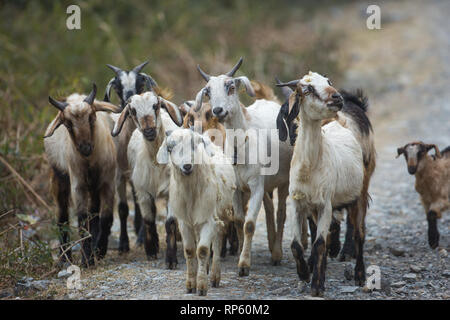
(81, 152)
(202, 183)
(327, 171)
(259, 117)
(150, 179)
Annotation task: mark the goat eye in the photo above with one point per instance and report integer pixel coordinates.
(133, 112)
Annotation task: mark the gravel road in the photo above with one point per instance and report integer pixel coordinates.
(405, 69)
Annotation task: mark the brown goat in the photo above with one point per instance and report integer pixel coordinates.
(81, 153)
(432, 182)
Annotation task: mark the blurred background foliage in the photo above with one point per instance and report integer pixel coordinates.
(39, 56)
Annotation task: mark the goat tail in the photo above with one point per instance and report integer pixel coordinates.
(358, 97)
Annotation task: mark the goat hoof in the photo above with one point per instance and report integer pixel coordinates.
(215, 283)
(360, 278)
(433, 239)
(152, 257)
(317, 292)
(202, 292)
(345, 257)
(191, 290)
(124, 247)
(244, 271)
(171, 265)
(276, 262)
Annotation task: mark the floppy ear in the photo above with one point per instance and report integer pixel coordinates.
(163, 154)
(400, 151)
(119, 124)
(428, 147)
(173, 111)
(54, 125)
(106, 106)
(199, 99)
(108, 90)
(208, 147)
(281, 124)
(247, 84)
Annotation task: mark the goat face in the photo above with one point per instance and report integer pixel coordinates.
(223, 92)
(144, 109)
(129, 83)
(186, 149)
(79, 116)
(319, 99)
(145, 112)
(414, 152)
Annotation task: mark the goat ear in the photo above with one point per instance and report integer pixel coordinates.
(54, 125)
(149, 81)
(106, 106)
(428, 147)
(281, 124)
(119, 124)
(173, 111)
(400, 151)
(163, 154)
(247, 84)
(108, 90)
(294, 108)
(199, 99)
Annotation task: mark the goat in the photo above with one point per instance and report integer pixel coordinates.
(432, 181)
(327, 172)
(127, 84)
(352, 116)
(150, 178)
(222, 91)
(202, 183)
(81, 152)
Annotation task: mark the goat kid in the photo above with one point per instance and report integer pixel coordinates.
(202, 183)
(432, 182)
(80, 151)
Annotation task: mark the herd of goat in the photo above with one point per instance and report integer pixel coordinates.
(326, 158)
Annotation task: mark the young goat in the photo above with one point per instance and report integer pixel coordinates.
(127, 84)
(327, 171)
(432, 182)
(150, 178)
(259, 117)
(202, 183)
(81, 155)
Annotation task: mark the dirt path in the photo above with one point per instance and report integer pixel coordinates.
(405, 68)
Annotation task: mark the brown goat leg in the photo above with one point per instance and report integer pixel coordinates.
(270, 220)
(348, 249)
(319, 263)
(124, 243)
(357, 215)
(313, 231)
(87, 255)
(433, 232)
(335, 243)
(61, 192)
(138, 225)
(233, 239)
(171, 241)
(302, 266)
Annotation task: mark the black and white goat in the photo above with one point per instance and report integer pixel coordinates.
(127, 84)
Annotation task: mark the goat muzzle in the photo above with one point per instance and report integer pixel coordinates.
(85, 149)
(149, 133)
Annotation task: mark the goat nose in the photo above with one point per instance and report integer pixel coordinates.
(85, 149)
(336, 96)
(187, 167)
(217, 110)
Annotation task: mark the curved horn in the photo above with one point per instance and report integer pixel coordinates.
(138, 68)
(291, 84)
(203, 74)
(235, 68)
(60, 105)
(285, 90)
(116, 70)
(90, 98)
(107, 97)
